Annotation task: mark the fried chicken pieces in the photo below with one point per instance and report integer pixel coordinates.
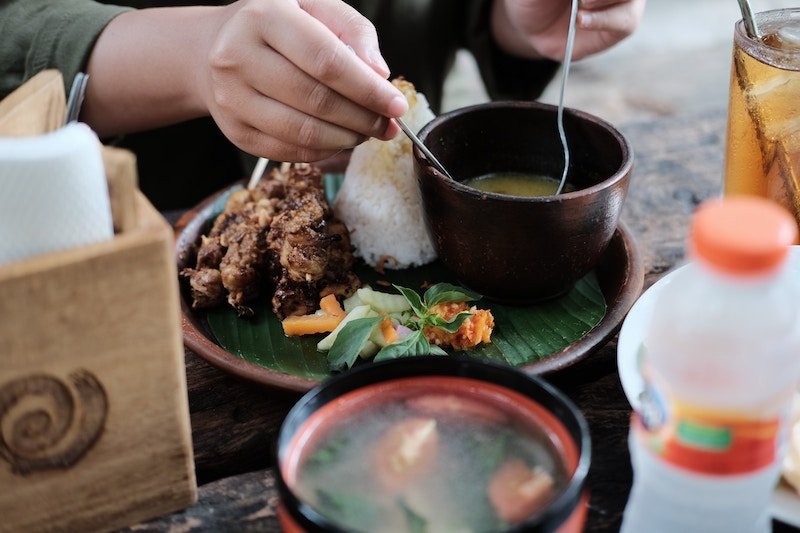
(280, 236)
(312, 248)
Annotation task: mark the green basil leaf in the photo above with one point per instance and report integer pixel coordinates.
(450, 326)
(328, 453)
(413, 345)
(445, 292)
(355, 510)
(435, 350)
(348, 343)
(413, 300)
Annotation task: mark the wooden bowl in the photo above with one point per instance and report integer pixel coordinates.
(512, 248)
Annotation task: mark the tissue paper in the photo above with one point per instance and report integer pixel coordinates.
(53, 193)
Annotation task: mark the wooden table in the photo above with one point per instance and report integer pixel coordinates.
(234, 423)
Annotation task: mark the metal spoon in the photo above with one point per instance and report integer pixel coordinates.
(261, 165)
(564, 76)
(424, 149)
(749, 21)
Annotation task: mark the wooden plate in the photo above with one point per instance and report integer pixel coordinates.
(620, 275)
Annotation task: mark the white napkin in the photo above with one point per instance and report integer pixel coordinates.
(53, 193)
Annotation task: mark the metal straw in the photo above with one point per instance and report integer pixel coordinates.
(422, 147)
(749, 21)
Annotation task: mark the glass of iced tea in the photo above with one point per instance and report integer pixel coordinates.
(763, 147)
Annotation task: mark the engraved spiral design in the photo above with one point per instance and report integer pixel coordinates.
(46, 423)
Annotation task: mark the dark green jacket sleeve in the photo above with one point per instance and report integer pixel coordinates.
(419, 39)
(39, 34)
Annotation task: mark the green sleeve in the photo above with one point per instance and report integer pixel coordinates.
(419, 39)
(44, 34)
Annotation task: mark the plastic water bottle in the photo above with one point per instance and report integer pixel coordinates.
(721, 361)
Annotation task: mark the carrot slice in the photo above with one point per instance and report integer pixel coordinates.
(388, 331)
(308, 324)
(330, 305)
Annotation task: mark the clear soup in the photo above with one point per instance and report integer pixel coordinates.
(430, 460)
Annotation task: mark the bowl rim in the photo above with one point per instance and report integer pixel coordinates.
(555, 402)
(429, 170)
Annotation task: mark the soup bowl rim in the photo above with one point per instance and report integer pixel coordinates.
(559, 509)
(623, 171)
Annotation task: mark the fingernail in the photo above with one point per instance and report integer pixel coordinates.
(584, 19)
(379, 64)
(398, 106)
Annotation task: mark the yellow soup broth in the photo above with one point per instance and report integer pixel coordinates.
(517, 184)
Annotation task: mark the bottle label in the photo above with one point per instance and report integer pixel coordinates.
(707, 441)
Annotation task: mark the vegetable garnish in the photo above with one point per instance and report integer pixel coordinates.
(389, 327)
(325, 320)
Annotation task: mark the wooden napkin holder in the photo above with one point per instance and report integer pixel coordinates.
(94, 417)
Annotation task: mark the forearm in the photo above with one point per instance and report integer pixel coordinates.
(144, 69)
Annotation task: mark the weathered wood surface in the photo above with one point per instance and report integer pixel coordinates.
(678, 164)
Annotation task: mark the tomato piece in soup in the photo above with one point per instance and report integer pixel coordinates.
(405, 451)
(517, 491)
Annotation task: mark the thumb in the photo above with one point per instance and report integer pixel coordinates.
(352, 28)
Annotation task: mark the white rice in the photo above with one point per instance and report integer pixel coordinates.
(379, 199)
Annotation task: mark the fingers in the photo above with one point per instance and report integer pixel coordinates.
(288, 137)
(274, 76)
(283, 84)
(607, 15)
(261, 144)
(283, 122)
(599, 4)
(351, 28)
(327, 59)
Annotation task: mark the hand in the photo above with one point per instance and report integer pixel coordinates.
(538, 28)
(298, 80)
(290, 80)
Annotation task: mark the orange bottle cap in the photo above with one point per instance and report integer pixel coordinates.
(743, 235)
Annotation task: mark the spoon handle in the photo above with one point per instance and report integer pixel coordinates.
(749, 20)
(424, 149)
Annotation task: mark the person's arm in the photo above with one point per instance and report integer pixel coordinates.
(42, 34)
(538, 28)
(284, 80)
(522, 45)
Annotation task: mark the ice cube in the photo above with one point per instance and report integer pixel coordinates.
(779, 82)
(787, 38)
(775, 102)
(783, 176)
(777, 130)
